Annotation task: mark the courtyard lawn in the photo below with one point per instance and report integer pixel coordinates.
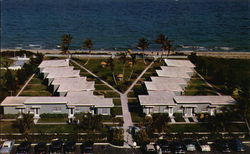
(197, 86)
(105, 72)
(36, 88)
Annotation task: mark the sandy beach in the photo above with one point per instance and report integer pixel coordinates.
(224, 54)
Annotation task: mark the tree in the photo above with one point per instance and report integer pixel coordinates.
(123, 59)
(89, 45)
(110, 62)
(25, 123)
(142, 137)
(21, 76)
(143, 45)
(165, 43)
(10, 81)
(90, 122)
(116, 136)
(133, 60)
(65, 43)
(160, 122)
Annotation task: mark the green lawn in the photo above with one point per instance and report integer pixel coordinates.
(36, 88)
(106, 74)
(197, 86)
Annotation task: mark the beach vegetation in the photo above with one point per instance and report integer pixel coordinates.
(166, 44)
(66, 40)
(143, 44)
(88, 43)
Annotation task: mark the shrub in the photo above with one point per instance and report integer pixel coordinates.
(52, 115)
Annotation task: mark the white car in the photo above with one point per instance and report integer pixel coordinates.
(7, 147)
(190, 145)
(203, 146)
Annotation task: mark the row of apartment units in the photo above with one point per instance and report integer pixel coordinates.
(75, 94)
(165, 92)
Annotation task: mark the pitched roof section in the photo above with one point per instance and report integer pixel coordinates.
(157, 98)
(163, 86)
(54, 63)
(180, 81)
(11, 100)
(173, 73)
(55, 69)
(216, 100)
(179, 63)
(64, 74)
(76, 85)
(182, 69)
(84, 98)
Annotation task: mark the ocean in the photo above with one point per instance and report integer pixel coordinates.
(205, 25)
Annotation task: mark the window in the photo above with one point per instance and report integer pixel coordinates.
(77, 110)
(56, 109)
(104, 111)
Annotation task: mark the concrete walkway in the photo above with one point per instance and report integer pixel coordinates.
(27, 82)
(95, 76)
(128, 140)
(207, 83)
(139, 77)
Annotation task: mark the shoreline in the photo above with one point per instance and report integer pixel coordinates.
(220, 54)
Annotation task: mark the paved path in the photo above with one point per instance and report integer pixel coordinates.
(25, 85)
(139, 77)
(208, 83)
(128, 140)
(95, 76)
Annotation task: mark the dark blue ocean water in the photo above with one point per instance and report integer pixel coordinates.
(207, 24)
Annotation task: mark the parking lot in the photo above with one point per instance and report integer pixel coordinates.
(106, 149)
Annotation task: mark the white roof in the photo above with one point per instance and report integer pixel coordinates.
(216, 100)
(84, 98)
(76, 84)
(173, 73)
(163, 86)
(180, 81)
(45, 100)
(182, 69)
(54, 63)
(59, 81)
(54, 69)
(64, 74)
(157, 98)
(179, 63)
(11, 100)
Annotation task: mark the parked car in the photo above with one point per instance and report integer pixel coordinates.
(178, 147)
(222, 146)
(56, 146)
(164, 145)
(41, 148)
(150, 148)
(87, 147)
(203, 146)
(23, 148)
(7, 147)
(189, 144)
(69, 146)
(237, 145)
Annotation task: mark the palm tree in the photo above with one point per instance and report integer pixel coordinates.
(123, 58)
(110, 62)
(165, 43)
(143, 45)
(88, 44)
(133, 60)
(65, 43)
